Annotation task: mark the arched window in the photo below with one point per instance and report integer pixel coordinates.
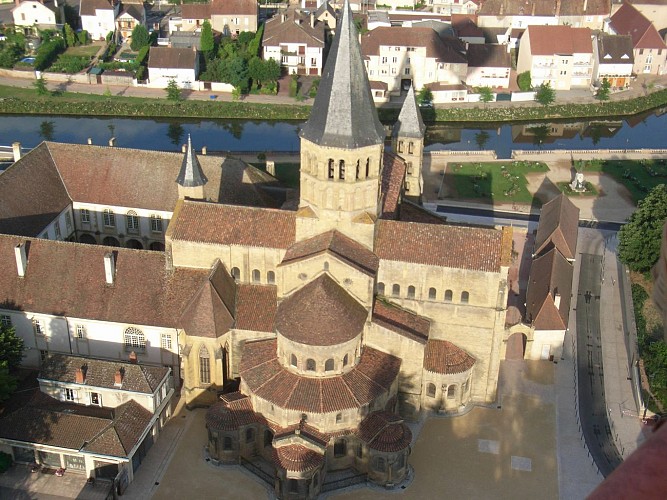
(448, 295)
(430, 390)
(451, 391)
(326, 265)
(132, 221)
(268, 438)
(380, 288)
(396, 290)
(204, 365)
(345, 360)
(432, 293)
(357, 176)
(236, 273)
(465, 296)
(330, 172)
(464, 387)
(341, 169)
(226, 443)
(340, 448)
(411, 292)
(256, 276)
(249, 435)
(379, 464)
(109, 218)
(339, 418)
(400, 146)
(293, 360)
(271, 278)
(134, 339)
(310, 365)
(329, 365)
(293, 486)
(410, 147)
(368, 167)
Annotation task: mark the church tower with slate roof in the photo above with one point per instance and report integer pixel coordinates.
(191, 178)
(342, 147)
(407, 140)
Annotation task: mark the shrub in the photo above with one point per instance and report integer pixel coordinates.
(294, 86)
(69, 64)
(83, 37)
(48, 52)
(524, 82)
(142, 54)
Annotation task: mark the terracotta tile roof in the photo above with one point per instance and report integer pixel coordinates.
(59, 274)
(439, 245)
(295, 29)
(170, 57)
(627, 20)
(232, 225)
(256, 307)
(558, 227)
(441, 356)
(89, 7)
(561, 40)
(465, 25)
(441, 49)
(393, 177)
(338, 245)
(297, 458)
(230, 7)
(232, 412)
(399, 320)
(550, 273)
(500, 8)
(101, 373)
(411, 212)
(384, 431)
(196, 11)
(267, 379)
(27, 206)
(588, 8)
(47, 421)
(321, 313)
(439, 86)
(488, 56)
(305, 431)
(615, 49)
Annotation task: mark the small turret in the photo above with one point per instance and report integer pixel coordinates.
(407, 141)
(191, 179)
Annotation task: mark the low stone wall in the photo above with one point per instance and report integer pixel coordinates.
(14, 73)
(65, 78)
(589, 154)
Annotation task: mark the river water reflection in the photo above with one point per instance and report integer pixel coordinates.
(642, 131)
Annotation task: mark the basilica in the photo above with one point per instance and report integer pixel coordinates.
(335, 317)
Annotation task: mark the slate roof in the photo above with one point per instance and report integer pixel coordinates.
(101, 373)
(561, 40)
(219, 224)
(170, 57)
(558, 227)
(344, 114)
(401, 321)
(393, 177)
(337, 244)
(59, 274)
(550, 273)
(410, 122)
(615, 49)
(441, 356)
(385, 432)
(134, 10)
(191, 173)
(89, 7)
(488, 56)
(447, 49)
(321, 313)
(297, 458)
(49, 422)
(439, 245)
(627, 20)
(228, 7)
(267, 379)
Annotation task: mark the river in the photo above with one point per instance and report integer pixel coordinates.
(648, 130)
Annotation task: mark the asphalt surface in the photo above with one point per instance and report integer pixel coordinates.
(592, 407)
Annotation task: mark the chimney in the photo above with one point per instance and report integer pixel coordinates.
(133, 358)
(112, 142)
(80, 376)
(312, 19)
(557, 300)
(118, 378)
(17, 2)
(90, 140)
(184, 148)
(21, 259)
(203, 150)
(283, 16)
(109, 267)
(585, 5)
(16, 149)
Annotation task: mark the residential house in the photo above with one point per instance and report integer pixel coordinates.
(98, 17)
(451, 7)
(229, 17)
(655, 10)
(516, 13)
(613, 59)
(170, 63)
(295, 40)
(560, 55)
(583, 14)
(132, 13)
(466, 29)
(36, 13)
(488, 66)
(401, 57)
(649, 47)
(89, 416)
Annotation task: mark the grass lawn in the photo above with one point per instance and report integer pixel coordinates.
(287, 173)
(499, 181)
(83, 50)
(639, 176)
(564, 187)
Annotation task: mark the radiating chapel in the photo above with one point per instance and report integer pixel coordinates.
(342, 313)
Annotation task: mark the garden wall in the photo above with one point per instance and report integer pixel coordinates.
(14, 73)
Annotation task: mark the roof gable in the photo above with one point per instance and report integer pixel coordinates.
(559, 40)
(558, 227)
(171, 58)
(550, 275)
(410, 123)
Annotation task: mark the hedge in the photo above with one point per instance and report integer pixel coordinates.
(48, 52)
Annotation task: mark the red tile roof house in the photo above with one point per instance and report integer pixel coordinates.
(650, 50)
(560, 55)
(169, 63)
(229, 17)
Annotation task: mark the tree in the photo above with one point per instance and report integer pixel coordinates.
(425, 97)
(485, 94)
(639, 239)
(173, 92)
(40, 86)
(545, 95)
(207, 40)
(7, 382)
(140, 37)
(604, 90)
(70, 36)
(11, 347)
(524, 82)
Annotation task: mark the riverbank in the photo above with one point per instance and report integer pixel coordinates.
(17, 96)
